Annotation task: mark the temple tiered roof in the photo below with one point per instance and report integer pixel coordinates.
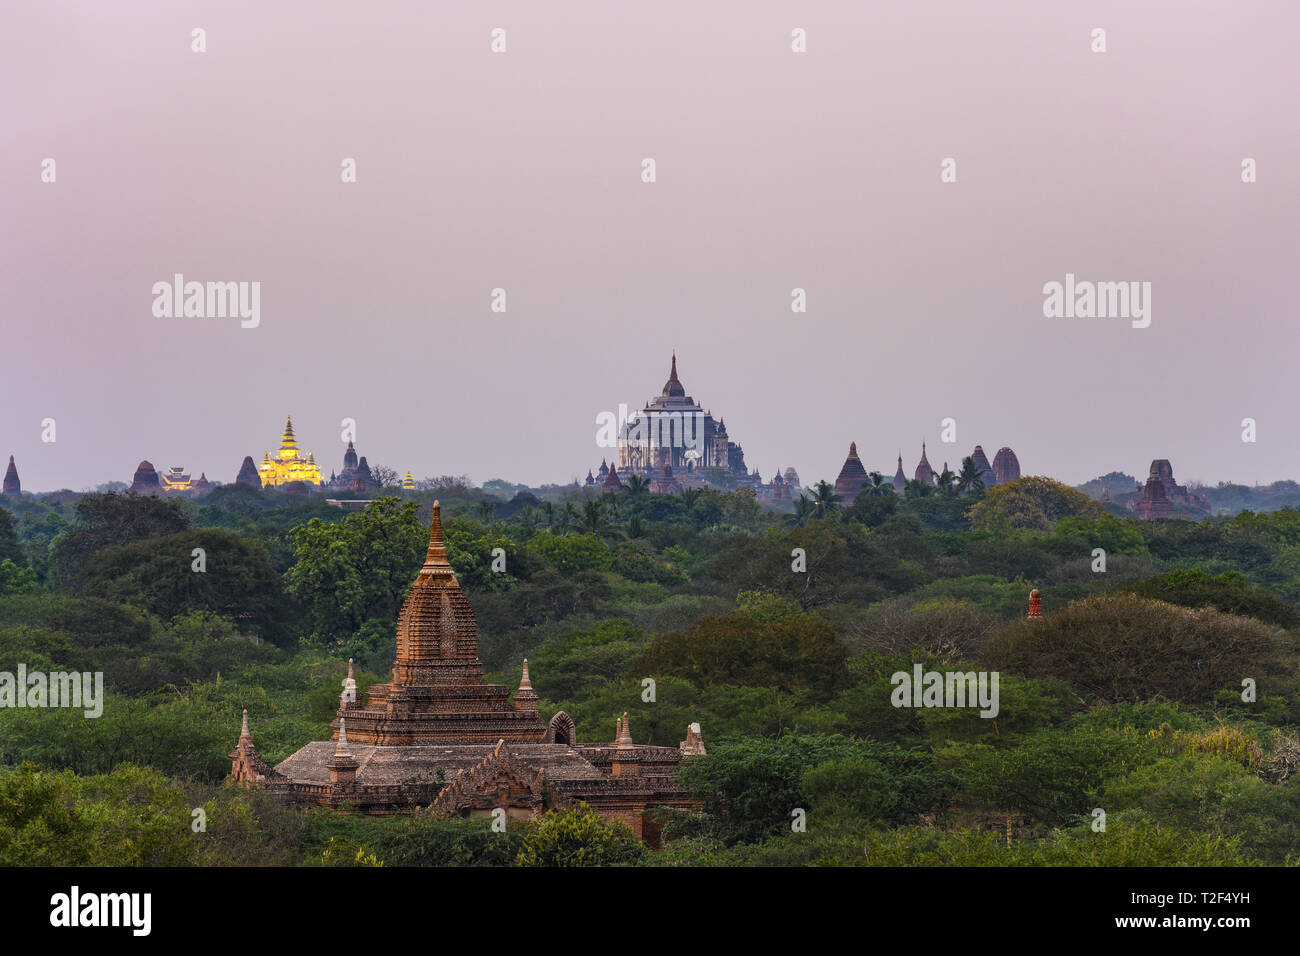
(852, 476)
(439, 735)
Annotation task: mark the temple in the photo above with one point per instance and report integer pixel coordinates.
(438, 738)
(852, 476)
(1006, 466)
(288, 465)
(355, 475)
(674, 430)
(12, 486)
(1160, 494)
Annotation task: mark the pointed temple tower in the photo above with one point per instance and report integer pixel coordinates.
(437, 693)
(438, 734)
(851, 477)
(12, 486)
(924, 473)
(900, 479)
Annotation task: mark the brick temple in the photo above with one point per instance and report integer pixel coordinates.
(438, 738)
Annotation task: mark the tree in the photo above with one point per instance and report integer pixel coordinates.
(1121, 647)
(238, 580)
(1033, 504)
(357, 570)
(804, 511)
(110, 519)
(879, 486)
(798, 652)
(594, 521)
(970, 480)
(825, 500)
(10, 548)
(443, 481)
(635, 486)
(579, 837)
(915, 488)
(385, 477)
(945, 482)
(15, 579)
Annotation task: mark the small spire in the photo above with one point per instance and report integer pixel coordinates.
(243, 729)
(350, 677)
(342, 749)
(624, 739)
(435, 559)
(524, 682)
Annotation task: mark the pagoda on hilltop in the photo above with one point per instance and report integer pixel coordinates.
(288, 465)
(438, 738)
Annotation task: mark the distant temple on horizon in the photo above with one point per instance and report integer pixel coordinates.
(438, 738)
(674, 431)
(355, 475)
(12, 486)
(1157, 498)
(288, 465)
(853, 476)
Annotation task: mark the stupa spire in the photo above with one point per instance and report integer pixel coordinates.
(435, 559)
(287, 440)
(243, 728)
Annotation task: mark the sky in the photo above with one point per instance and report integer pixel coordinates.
(523, 170)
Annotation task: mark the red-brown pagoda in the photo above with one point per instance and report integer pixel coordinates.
(438, 735)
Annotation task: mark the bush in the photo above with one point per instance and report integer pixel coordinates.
(1120, 647)
(579, 837)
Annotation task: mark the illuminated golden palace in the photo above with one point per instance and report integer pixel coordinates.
(288, 464)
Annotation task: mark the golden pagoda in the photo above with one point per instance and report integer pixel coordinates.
(408, 483)
(288, 464)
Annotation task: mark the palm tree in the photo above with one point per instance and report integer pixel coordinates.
(969, 480)
(635, 528)
(486, 510)
(825, 500)
(803, 510)
(945, 482)
(689, 497)
(569, 518)
(636, 486)
(593, 520)
(879, 486)
(918, 489)
(549, 508)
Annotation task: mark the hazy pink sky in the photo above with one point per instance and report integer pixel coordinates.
(776, 170)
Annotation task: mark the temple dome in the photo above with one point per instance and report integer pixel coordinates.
(1006, 467)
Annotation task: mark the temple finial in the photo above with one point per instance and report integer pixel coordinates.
(243, 729)
(435, 560)
(624, 739)
(524, 682)
(342, 748)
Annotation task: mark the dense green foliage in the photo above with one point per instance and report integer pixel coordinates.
(1129, 696)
